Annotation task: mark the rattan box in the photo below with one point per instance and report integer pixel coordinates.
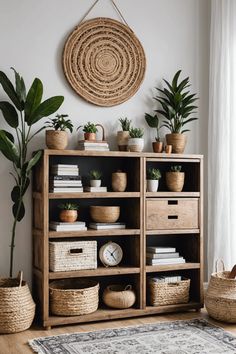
(168, 293)
(72, 255)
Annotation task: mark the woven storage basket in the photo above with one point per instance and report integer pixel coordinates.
(17, 308)
(175, 181)
(220, 299)
(72, 255)
(72, 297)
(168, 293)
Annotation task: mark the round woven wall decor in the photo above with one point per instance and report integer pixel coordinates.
(104, 61)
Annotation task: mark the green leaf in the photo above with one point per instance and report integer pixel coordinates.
(152, 121)
(27, 182)
(21, 212)
(184, 131)
(9, 135)
(46, 108)
(20, 88)
(33, 98)
(33, 161)
(9, 113)
(8, 148)
(9, 89)
(175, 79)
(15, 194)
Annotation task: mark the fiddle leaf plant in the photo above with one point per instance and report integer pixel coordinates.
(21, 113)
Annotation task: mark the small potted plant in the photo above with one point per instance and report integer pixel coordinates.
(123, 135)
(153, 176)
(175, 179)
(90, 131)
(95, 178)
(136, 141)
(177, 105)
(69, 212)
(57, 137)
(154, 122)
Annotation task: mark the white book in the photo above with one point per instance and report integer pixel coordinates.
(60, 165)
(179, 260)
(67, 228)
(66, 183)
(93, 144)
(95, 189)
(166, 279)
(92, 148)
(65, 173)
(60, 223)
(161, 249)
(162, 255)
(107, 226)
(66, 190)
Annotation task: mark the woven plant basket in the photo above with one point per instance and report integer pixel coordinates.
(175, 181)
(56, 139)
(73, 297)
(178, 142)
(17, 308)
(119, 296)
(220, 298)
(169, 293)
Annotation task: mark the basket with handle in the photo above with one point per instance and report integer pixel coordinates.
(220, 299)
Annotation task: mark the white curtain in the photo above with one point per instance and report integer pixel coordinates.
(222, 135)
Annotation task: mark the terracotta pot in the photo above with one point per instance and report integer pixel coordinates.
(175, 181)
(68, 215)
(122, 140)
(178, 142)
(89, 136)
(119, 296)
(56, 139)
(135, 144)
(95, 182)
(157, 146)
(119, 181)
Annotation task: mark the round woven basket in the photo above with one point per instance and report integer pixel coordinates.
(178, 142)
(17, 308)
(175, 181)
(220, 299)
(119, 296)
(72, 297)
(104, 61)
(56, 139)
(104, 213)
(169, 293)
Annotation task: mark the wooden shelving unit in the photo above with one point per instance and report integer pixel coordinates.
(140, 232)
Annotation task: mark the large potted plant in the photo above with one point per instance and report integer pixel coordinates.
(177, 107)
(123, 135)
(136, 141)
(154, 122)
(21, 113)
(57, 137)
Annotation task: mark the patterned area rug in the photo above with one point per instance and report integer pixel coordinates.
(179, 337)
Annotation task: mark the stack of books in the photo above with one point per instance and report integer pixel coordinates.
(95, 189)
(93, 145)
(67, 226)
(166, 279)
(163, 255)
(107, 225)
(64, 179)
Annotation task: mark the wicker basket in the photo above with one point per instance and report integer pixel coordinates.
(168, 293)
(175, 181)
(56, 139)
(72, 255)
(119, 296)
(73, 297)
(220, 299)
(17, 308)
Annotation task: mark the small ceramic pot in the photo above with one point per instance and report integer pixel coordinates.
(157, 146)
(119, 181)
(56, 139)
(122, 140)
(68, 215)
(168, 149)
(152, 185)
(135, 144)
(95, 182)
(89, 136)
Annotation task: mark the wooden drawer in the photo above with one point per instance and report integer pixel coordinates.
(172, 213)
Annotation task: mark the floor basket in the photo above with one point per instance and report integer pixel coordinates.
(17, 308)
(72, 297)
(168, 293)
(220, 299)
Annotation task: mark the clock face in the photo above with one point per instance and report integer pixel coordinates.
(111, 254)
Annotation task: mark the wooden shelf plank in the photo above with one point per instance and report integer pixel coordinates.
(100, 271)
(173, 194)
(91, 195)
(51, 152)
(172, 232)
(94, 233)
(171, 267)
(176, 158)
(104, 314)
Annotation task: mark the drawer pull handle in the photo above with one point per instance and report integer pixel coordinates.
(76, 250)
(172, 216)
(172, 202)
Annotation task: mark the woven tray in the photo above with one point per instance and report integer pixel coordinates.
(168, 293)
(104, 61)
(71, 297)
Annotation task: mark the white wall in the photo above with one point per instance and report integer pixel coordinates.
(174, 34)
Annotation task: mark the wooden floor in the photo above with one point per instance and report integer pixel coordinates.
(17, 343)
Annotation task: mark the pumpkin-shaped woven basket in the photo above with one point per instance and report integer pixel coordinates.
(220, 299)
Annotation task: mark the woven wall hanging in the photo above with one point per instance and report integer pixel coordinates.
(104, 61)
